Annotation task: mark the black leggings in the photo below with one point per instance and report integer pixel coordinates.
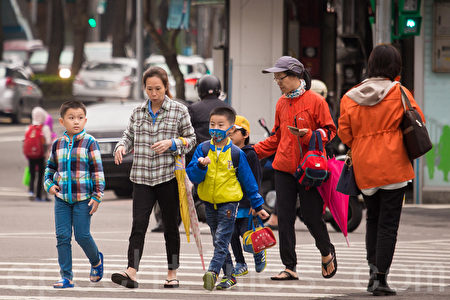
(144, 198)
(311, 205)
(32, 165)
(383, 217)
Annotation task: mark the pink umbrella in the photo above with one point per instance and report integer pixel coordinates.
(336, 202)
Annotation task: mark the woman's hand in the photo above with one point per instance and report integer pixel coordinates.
(118, 155)
(94, 205)
(204, 161)
(161, 146)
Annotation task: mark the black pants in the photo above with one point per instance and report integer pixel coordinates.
(32, 165)
(311, 205)
(383, 217)
(144, 198)
(240, 227)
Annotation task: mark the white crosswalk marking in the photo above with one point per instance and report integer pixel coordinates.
(417, 265)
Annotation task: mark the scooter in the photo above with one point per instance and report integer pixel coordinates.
(355, 205)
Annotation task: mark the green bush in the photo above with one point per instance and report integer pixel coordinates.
(54, 87)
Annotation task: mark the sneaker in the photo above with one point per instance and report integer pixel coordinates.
(260, 261)
(209, 280)
(240, 269)
(226, 283)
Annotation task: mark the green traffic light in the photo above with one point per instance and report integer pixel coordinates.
(92, 23)
(410, 23)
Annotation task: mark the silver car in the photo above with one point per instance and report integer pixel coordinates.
(111, 78)
(18, 94)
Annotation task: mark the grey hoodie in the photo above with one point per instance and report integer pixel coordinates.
(371, 91)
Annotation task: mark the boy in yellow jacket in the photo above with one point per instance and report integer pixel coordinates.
(223, 175)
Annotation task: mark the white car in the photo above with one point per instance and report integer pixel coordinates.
(109, 78)
(192, 67)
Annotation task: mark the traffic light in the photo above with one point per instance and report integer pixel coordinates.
(92, 22)
(407, 18)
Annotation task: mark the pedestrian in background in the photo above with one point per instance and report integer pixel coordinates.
(307, 111)
(153, 135)
(222, 173)
(369, 124)
(36, 148)
(74, 174)
(241, 138)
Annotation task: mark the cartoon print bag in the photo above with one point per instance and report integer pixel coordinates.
(259, 239)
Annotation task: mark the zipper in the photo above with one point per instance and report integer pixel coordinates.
(69, 176)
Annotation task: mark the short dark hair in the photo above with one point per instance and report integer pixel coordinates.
(244, 132)
(304, 75)
(161, 74)
(71, 104)
(225, 111)
(384, 61)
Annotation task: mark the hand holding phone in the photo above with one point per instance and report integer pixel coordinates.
(297, 131)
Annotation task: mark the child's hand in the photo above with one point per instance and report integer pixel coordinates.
(204, 161)
(94, 205)
(263, 214)
(54, 190)
(118, 155)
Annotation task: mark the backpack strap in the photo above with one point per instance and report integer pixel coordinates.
(205, 147)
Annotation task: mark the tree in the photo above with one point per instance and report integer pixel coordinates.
(167, 48)
(118, 28)
(79, 21)
(56, 36)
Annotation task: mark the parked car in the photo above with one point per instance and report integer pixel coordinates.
(192, 67)
(106, 122)
(18, 94)
(39, 58)
(109, 78)
(20, 50)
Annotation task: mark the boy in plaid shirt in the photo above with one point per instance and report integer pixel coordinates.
(74, 174)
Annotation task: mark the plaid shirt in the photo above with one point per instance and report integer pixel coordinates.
(76, 167)
(172, 122)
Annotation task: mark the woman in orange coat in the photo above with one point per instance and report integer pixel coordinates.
(371, 114)
(304, 109)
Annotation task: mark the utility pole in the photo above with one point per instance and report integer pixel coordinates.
(139, 50)
(383, 22)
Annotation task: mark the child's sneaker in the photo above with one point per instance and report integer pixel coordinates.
(226, 283)
(209, 280)
(240, 269)
(260, 261)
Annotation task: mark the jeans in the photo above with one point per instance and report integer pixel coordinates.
(221, 224)
(144, 198)
(240, 227)
(383, 217)
(74, 215)
(311, 206)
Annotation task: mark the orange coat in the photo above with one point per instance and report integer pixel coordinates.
(309, 110)
(373, 133)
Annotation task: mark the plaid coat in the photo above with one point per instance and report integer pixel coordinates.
(142, 132)
(76, 167)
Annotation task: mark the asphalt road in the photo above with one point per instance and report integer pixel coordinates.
(28, 259)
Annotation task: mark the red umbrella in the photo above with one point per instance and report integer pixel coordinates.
(336, 202)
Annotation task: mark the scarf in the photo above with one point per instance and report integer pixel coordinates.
(297, 92)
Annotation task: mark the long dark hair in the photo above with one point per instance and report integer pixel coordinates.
(384, 61)
(161, 74)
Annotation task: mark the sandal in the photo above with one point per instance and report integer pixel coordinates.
(125, 281)
(168, 284)
(287, 276)
(98, 270)
(65, 284)
(325, 265)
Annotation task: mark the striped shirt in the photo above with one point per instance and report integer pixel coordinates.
(75, 165)
(171, 122)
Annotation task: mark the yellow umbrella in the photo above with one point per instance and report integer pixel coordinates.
(180, 174)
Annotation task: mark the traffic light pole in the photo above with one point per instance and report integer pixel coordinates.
(383, 22)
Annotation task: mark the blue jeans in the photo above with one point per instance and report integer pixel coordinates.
(76, 215)
(221, 224)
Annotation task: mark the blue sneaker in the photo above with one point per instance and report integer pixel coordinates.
(226, 283)
(260, 261)
(240, 269)
(209, 280)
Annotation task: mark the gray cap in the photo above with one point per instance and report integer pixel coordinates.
(286, 63)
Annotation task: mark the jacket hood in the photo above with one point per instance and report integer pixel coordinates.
(371, 91)
(38, 115)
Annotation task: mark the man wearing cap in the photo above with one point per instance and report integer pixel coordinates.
(299, 112)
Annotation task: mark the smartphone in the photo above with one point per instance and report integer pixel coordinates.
(294, 128)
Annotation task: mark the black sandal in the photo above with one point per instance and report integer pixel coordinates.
(125, 281)
(288, 276)
(325, 265)
(167, 285)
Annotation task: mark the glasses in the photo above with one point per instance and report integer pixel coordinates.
(276, 80)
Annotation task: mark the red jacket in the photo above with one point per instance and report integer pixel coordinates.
(309, 110)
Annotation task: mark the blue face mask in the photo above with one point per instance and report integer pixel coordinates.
(219, 135)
